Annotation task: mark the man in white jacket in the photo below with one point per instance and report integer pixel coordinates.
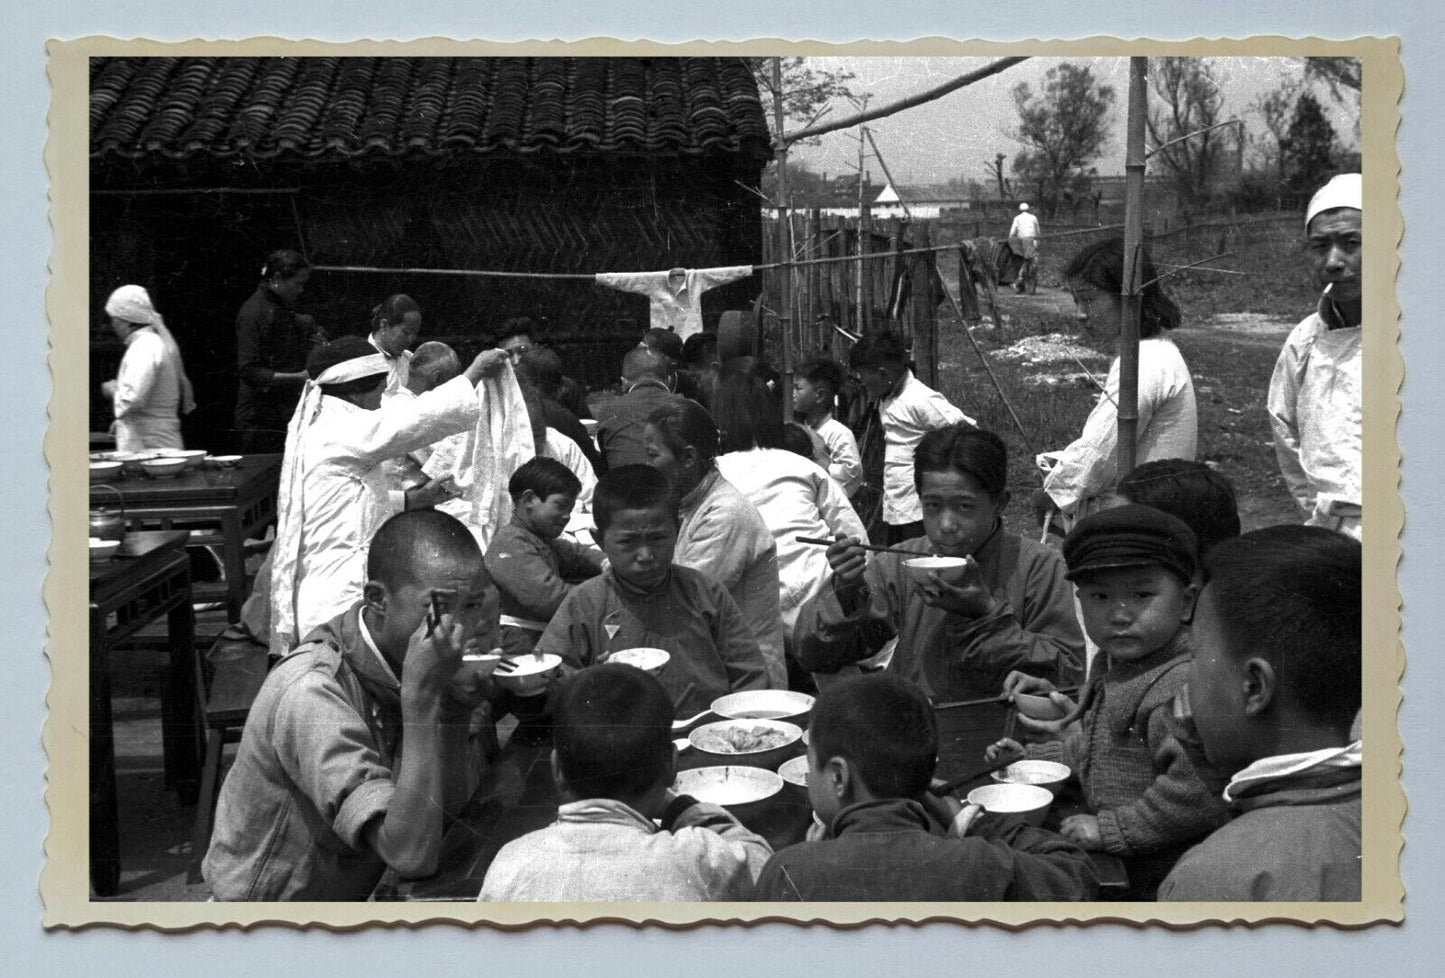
(1314, 395)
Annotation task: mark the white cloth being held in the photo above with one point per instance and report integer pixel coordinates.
(678, 309)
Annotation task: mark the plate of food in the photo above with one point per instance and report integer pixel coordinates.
(761, 743)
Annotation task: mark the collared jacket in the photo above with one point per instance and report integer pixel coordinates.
(1121, 747)
(621, 421)
(952, 657)
(1315, 411)
(908, 414)
(314, 768)
(270, 339)
(532, 575)
(147, 395)
(890, 851)
(844, 463)
(601, 850)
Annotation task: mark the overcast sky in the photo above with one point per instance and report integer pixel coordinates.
(959, 133)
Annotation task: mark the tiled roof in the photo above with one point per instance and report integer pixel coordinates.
(313, 108)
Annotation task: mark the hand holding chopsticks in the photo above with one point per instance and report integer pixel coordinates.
(819, 542)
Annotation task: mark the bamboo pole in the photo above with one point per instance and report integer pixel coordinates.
(863, 241)
(1134, 157)
(785, 224)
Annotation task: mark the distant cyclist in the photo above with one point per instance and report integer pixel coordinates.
(1023, 239)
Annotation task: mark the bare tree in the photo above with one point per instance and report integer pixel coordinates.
(1275, 108)
(995, 171)
(808, 90)
(1063, 128)
(1340, 74)
(1189, 99)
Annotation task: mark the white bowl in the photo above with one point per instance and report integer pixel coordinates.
(164, 468)
(648, 660)
(728, 785)
(105, 471)
(101, 551)
(530, 674)
(191, 456)
(763, 704)
(223, 461)
(795, 772)
(949, 569)
(1036, 707)
(1049, 775)
(1025, 800)
(710, 741)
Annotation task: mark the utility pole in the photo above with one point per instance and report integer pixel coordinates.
(785, 250)
(1134, 157)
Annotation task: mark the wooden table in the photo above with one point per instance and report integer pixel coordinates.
(517, 795)
(149, 577)
(228, 505)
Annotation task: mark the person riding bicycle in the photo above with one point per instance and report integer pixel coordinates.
(1023, 238)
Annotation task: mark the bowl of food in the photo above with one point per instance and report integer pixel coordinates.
(163, 468)
(1028, 801)
(101, 551)
(765, 704)
(1049, 775)
(223, 461)
(191, 456)
(648, 660)
(731, 786)
(948, 569)
(105, 471)
(130, 462)
(527, 675)
(757, 743)
(795, 774)
(1036, 707)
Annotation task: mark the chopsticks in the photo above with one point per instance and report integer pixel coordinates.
(992, 699)
(1001, 762)
(817, 541)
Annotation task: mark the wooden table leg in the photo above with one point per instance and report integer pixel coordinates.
(233, 559)
(104, 827)
(183, 738)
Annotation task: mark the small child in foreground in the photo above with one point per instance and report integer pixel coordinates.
(1275, 685)
(643, 601)
(615, 763)
(815, 394)
(529, 560)
(1134, 568)
(873, 744)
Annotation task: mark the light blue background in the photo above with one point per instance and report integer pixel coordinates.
(774, 949)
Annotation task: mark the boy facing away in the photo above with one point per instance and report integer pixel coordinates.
(1011, 610)
(873, 744)
(1275, 685)
(529, 560)
(1134, 568)
(614, 762)
(643, 600)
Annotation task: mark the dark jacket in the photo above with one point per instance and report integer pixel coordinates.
(890, 850)
(620, 423)
(270, 339)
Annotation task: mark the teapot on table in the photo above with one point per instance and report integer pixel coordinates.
(107, 524)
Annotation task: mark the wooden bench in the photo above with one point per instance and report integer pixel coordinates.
(238, 667)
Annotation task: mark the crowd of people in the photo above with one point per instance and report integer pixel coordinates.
(1206, 683)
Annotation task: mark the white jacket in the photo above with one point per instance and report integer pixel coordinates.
(907, 416)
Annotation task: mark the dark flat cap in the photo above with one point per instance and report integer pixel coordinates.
(1131, 536)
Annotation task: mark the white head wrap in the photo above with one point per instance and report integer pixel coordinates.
(1023, 207)
(1345, 190)
(133, 304)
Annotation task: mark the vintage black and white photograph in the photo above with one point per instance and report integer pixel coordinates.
(672, 479)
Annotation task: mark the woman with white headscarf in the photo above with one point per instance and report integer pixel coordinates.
(151, 389)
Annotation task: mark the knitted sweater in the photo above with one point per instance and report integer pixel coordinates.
(1135, 776)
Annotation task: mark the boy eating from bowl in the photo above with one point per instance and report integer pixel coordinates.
(1134, 569)
(322, 797)
(643, 601)
(1009, 607)
(1274, 688)
(529, 559)
(873, 744)
(614, 763)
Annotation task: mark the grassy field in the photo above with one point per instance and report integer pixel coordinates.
(1233, 328)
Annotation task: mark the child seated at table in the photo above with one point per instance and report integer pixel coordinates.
(1275, 685)
(614, 763)
(642, 600)
(361, 738)
(873, 744)
(1011, 610)
(1134, 568)
(530, 560)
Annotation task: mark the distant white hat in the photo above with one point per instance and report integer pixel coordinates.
(1023, 207)
(1345, 190)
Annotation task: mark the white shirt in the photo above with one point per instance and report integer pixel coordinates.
(398, 369)
(147, 395)
(569, 453)
(344, 496)
(845, 465)
(1168, 428)
(1315, 411)
(795, 498)
(678, 309)
(1025, 225)
(907, 416)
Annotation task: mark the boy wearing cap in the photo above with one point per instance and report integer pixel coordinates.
(1134, 568)
(1314, 395)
